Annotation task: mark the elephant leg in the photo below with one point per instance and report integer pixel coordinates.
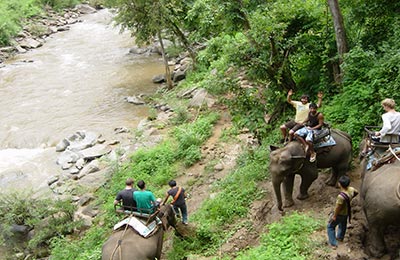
(308, 175)
(288, 183)
(375, 240)
(335, 175)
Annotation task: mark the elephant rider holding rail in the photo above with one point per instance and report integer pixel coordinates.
(390, 132)
(125, 197)
(314, 123)
(302, 109)
(145, 200)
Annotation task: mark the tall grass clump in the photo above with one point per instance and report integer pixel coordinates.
(289, 238)
(191, 136)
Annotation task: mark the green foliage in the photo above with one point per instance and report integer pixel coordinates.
(287, 239)
(191, 135)
(210, 18)
(371, 23)
(91, 243)
(181, 116)
(60, 4)
(48, 218)
(12, 14)
(370, 77)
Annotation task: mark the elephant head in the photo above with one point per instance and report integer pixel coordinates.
(283, 162)
(167, 216)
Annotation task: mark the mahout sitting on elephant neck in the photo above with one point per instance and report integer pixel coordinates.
(291, 159)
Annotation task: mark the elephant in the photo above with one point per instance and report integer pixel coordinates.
(291, 159)
(129, 245)
(380, 199)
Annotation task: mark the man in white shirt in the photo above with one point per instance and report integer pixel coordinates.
(390, 132)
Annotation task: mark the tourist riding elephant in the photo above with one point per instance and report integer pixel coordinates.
(291, 159)
(380, 198)
(127, 244)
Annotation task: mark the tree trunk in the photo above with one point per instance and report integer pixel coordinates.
(184, 40)
(167, 71)
(340, 32)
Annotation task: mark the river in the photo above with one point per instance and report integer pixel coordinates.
(76, 81)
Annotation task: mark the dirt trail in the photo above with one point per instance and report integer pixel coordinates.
(321, 201)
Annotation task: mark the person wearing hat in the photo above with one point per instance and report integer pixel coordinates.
(302, 110)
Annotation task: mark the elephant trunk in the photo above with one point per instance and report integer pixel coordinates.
(277, 189)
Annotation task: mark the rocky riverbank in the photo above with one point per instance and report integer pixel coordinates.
(35, 32)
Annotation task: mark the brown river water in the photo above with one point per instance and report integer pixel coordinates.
(76, 81)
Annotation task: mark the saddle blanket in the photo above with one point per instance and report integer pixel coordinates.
(138, 225)
(327, 141)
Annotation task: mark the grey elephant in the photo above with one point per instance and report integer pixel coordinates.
(291, 159)
(380, 198)
(129, 245)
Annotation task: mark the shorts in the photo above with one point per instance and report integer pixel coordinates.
(308, 134)
(293, 125)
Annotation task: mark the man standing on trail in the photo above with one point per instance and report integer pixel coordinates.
(341, 213)
(125, 197)
(302, 109)
(179, 202)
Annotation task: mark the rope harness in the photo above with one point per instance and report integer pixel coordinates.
(119, 243)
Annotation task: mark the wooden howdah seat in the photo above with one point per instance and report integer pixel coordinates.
(383, 152)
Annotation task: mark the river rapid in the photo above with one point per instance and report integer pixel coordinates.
(77, 80)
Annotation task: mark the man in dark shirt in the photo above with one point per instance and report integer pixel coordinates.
(314, 123)
(179, 203)
(125, 197)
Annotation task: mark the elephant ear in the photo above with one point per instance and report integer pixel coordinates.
(273, 148)
(164, 222)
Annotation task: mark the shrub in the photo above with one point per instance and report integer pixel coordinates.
(48, 218)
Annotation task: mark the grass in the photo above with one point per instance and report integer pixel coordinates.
(290, 238)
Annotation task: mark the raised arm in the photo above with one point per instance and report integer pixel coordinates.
(289, 96)
(166, 198)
